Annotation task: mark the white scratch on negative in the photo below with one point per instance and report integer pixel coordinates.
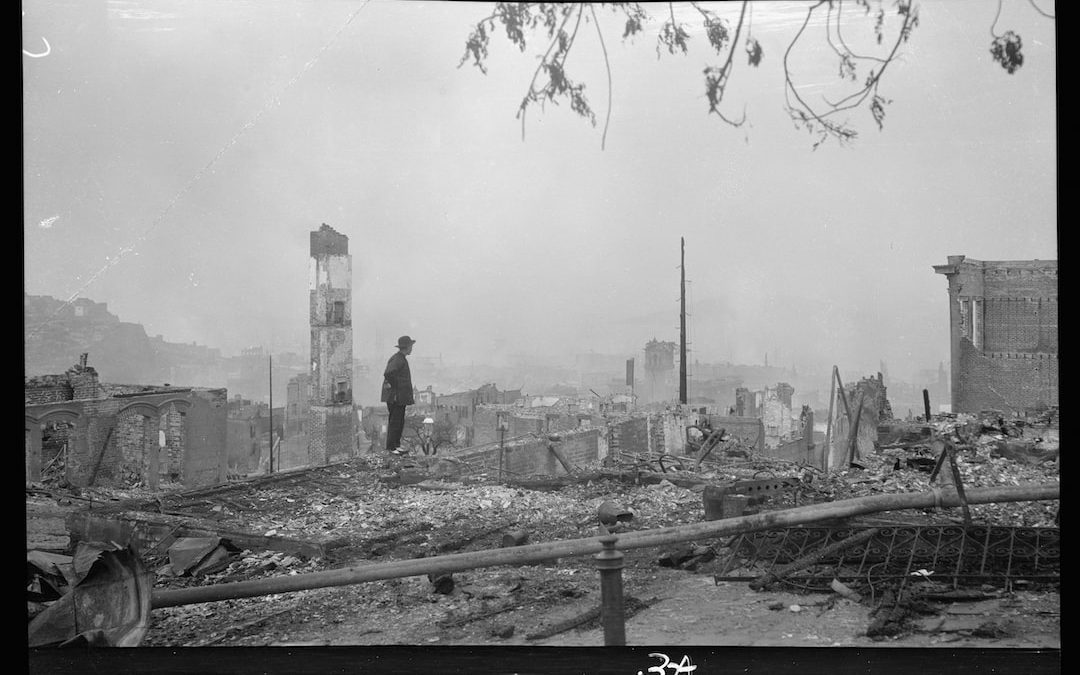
(48, 222)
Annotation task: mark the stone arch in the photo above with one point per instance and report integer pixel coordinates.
(136, 437)
(183, 405)
(49, 439)
(143, 408)
(171, 463)
(60, 414)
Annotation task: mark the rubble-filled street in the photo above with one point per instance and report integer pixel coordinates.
(378, 509)
(353, 328)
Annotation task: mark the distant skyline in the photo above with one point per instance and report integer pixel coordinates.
(177, 154)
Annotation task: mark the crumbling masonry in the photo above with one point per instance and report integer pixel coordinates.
(85, 432)
(332, 432)
(1003, 318)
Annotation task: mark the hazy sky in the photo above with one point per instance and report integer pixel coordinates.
(178, 153)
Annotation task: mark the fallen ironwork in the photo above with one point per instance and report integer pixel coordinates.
(950, 554)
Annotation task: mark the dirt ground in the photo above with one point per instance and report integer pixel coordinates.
(688, 609)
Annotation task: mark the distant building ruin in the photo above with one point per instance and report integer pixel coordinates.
(1003, 325)
(659, 370)
(773, 406)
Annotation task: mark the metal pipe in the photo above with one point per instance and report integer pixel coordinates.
(570, 548)
(612, 614)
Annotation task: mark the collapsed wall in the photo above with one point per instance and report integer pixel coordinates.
(123, 435)
(533, 454)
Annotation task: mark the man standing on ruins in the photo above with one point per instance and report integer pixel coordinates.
(397, 392)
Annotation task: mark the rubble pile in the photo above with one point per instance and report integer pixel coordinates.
(989, 452)
(356, 514)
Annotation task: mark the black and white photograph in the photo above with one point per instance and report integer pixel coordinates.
(658, 337)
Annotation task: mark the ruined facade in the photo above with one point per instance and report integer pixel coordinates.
(773, 406)
(332, 423)
(1003, 321)
(659, 371)
(747, 403)
(82, 432)
(865, 402)
(776, 413)
(460, 408)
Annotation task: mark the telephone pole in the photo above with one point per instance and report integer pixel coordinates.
(682, 322)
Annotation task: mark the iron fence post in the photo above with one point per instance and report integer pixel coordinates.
(610, 563)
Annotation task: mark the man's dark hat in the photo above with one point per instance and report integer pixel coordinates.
(404, 342)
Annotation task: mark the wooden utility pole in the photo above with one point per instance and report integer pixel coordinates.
(271, 361)
(682, 322)
(828, 424)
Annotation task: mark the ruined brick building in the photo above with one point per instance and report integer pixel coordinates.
(84, 432)
(1003, 324)
(332, 424)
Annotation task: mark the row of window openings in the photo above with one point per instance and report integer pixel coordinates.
(971, 324)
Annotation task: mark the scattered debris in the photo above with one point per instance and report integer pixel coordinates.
(611, 512)
(200, 555)
(844, 590)
(515, 538)
(686, 557)
(442, 584)
(631, 606)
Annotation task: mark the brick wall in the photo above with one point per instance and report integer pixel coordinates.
(631, 436)
(1004, 334)
(84, 383)
(243, 445)
(532, 456)
(133, 440)
(749, 430)
(668, 434)
(1010, 382)
(47, 389)
(340, 433)
(107, 447)
(205, 459)
(484, 422)
(172, 460)
(317, 436)
(485, 425)
(332, 434)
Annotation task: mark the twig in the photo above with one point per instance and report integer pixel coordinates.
(240, 627)
(631, 606)
(476, 617)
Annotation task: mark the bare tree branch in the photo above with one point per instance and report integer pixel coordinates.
(607, 65)
(550, 81)
(1040, 11)
(840, 38)
(806, 115)
(994, 24)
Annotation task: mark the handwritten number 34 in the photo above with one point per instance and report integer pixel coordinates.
(683, 666)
